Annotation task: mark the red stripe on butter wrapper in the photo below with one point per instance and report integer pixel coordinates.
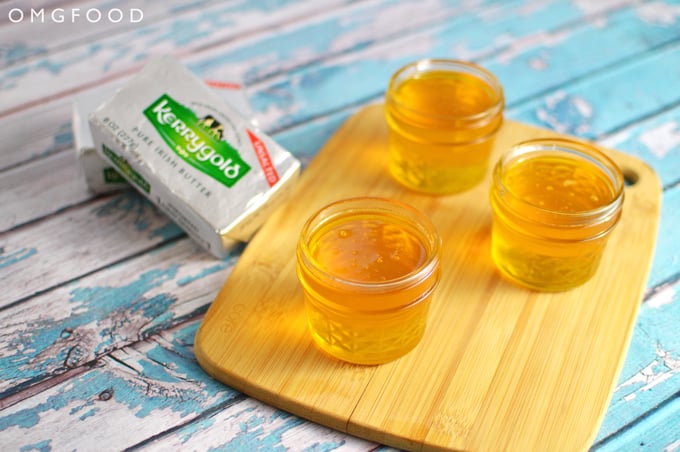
(263, 156)
(222, 85)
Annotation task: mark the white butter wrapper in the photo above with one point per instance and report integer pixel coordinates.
(99, 175)
(193, 155)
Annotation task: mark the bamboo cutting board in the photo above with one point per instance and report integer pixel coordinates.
(499, 368)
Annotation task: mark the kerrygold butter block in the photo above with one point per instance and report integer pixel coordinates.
(98, 173)
(193, 155)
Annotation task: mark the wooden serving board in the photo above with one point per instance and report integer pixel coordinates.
(500, 367)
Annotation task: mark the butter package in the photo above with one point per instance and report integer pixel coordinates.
(99, 175)
(193, 155)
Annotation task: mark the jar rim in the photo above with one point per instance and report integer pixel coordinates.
(451, 65)
(372, 204)
(566, 146)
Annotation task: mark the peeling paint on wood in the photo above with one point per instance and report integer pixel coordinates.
(78, 323)
(80, 241)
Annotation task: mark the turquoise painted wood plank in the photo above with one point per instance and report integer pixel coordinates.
(512, 49)
(301, 35)
(26, 36)
(656, 432)
(609, 100)
(246, 424)
(656, 140)
(251, 425)
(73, 69)
(651, 372)
(295, 138)
(24, 142)
(362, 76)
(557, 57)
(83, 320)
(151, 388)
(123, 400)
(666, 262)
(77, 242)
(40, 188)
(356, 26)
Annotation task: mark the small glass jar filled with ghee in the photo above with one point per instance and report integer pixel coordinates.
(442, 116)
(368, 267)
(554, 203)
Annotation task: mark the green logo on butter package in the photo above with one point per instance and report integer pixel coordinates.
(181, 130)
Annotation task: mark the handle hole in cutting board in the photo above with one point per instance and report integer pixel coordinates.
(630, 176)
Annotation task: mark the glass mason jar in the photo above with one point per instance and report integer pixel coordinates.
(442, 116)
(368, 268)
(554, 203)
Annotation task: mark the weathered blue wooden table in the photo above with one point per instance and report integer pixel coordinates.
(101, 295)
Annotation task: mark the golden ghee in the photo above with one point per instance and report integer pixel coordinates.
(368, 268)
(554, 203)
(442, 117)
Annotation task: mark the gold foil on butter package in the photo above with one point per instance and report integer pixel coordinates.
(193, 155)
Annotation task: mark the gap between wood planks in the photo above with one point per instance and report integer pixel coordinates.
(33, 389)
